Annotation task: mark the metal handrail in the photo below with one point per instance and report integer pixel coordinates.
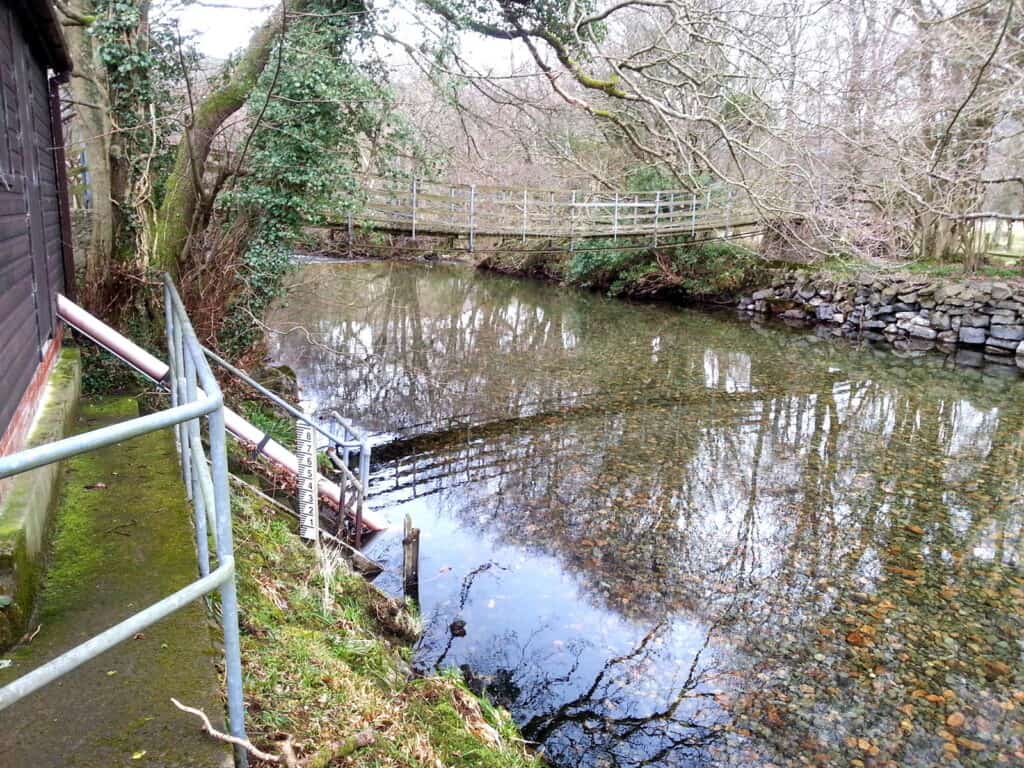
(363, 484)
(194, 394)
(282, 403)
(350, 440)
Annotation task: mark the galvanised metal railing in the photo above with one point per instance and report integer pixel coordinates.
(343, 440)
(195, 394)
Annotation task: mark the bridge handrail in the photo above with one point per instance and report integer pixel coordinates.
(417, 206)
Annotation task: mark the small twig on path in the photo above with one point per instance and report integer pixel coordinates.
(318, 760)
(245, 744)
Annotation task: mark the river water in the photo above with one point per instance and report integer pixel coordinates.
(672, 538)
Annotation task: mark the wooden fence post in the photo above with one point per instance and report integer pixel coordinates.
(524, 215)
(472, 216)
(615, 219)
(572, 223)
(693, 213)
(414, 208)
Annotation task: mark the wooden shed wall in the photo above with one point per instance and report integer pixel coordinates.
(31, 255)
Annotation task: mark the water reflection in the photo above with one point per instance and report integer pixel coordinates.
(676, 539)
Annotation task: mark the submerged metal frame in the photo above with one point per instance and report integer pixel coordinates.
(194, 394)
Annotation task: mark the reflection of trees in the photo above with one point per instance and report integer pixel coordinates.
(783, 520)
(608, 724)
(404, 348)
(791, 493)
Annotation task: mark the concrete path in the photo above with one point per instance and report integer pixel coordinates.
(123, 539)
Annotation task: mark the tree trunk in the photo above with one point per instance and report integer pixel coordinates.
(92, 106)
(184, 200)
(105, 157)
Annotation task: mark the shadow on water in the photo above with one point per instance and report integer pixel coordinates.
(667, 538)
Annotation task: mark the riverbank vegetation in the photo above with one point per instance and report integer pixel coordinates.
(684, 269)
(327, 665)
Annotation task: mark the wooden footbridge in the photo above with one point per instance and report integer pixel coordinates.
(419, 207)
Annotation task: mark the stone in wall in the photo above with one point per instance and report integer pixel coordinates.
(983, 318)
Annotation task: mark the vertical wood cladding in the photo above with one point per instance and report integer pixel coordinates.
(31, 264)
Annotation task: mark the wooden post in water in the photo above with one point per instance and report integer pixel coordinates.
(411, 561)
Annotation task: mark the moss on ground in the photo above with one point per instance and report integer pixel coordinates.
(326, 657)
(122, 541)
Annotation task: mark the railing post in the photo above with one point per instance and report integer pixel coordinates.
(228, 596)
(728, 213)
(414, 208)
(657, 215)
(615, 219)
(693, 213)
(198, 502)
(178, 396)
(171, 358)
(350, 234)
(472, 216)
(524, 214)
(572, 223)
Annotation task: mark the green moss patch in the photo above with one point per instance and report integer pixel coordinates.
(26, 504)
(122, 541)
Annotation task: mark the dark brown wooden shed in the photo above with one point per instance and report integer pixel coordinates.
(35, 248)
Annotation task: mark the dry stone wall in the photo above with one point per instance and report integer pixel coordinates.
(986, 317)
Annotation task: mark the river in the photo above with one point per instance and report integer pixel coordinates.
(673, 538)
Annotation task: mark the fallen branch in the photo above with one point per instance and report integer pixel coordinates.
(320, 759)
(245, 744)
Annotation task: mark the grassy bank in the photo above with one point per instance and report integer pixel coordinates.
(326, 658)
(673, 270)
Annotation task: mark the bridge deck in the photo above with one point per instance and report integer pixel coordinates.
(417, 207)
